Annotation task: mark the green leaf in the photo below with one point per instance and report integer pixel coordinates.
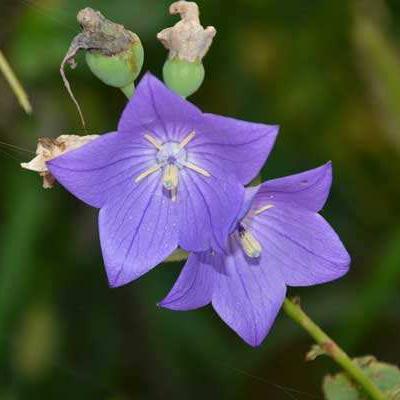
(385, 376)
(339, 387)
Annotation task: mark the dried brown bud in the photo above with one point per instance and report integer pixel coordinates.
(187, 40)
(114, 54)
(49, 148)
(99, 33)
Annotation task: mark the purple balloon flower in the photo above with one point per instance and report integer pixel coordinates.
(170, 176)
(280, 240)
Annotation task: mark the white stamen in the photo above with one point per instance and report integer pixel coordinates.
(171, 177)
(148, 172)
(153, 141)
(197, 169)
(250, 245)
(187, 139)
(262, 209)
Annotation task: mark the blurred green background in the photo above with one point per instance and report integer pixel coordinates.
(329, 73)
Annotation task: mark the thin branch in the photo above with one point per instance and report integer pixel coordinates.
(330, 348)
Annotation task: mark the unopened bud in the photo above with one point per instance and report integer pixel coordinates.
(188, 42)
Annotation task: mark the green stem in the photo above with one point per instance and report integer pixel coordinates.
(16, 86)
(329, 347)
(129, 90)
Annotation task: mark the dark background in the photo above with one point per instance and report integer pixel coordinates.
(329, 73)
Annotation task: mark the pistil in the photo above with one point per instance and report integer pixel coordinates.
(250, 245)
(171, 177)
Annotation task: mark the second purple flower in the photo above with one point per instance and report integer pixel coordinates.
(279, 240)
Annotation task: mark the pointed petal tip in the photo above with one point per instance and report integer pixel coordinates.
(252, 341)
(345, 264)
(271, 134)
(341, 271)
(274, 132)
(326, 170)
(309, 189)
(154, 83)
(148, 77)
(118, 276)
(116, 282)
(167, 304)
(328, 166)
(275, 129)
(148, 82)
(173, 302)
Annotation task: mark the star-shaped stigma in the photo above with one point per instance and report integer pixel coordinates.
(171, 158)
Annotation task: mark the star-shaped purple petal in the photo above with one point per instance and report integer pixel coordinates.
(171, 176)
(280, 240)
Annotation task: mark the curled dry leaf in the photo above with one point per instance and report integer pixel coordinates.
(315, 352)
(49, 148)
(187, 40)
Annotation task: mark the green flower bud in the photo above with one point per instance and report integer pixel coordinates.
(119, 70)
(182, 76)
(188, 42)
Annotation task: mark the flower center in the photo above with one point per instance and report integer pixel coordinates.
(172, 153)
(171, 157)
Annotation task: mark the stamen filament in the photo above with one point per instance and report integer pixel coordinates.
(197, 169)
(262, 209)
(250, 245)
(171, 177)
(148, 172)
(153, 141)
(187, 139)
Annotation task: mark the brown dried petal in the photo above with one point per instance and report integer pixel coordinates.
(49, 148)
(187, 40)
